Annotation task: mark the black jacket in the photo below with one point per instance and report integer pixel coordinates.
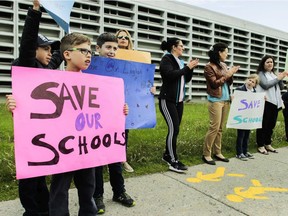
(28, 44)
(285, 98)
(171, 77)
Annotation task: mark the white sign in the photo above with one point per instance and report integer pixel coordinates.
(246, 111)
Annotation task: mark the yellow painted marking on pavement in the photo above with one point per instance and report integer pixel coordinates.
(253, 192)
(236, 175)
(208, 177)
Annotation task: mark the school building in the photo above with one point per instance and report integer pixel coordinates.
(150, 22)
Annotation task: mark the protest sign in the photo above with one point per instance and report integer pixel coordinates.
(66, 121)
(133, 55)
(138, 80)
(246, 110)
(60, 11)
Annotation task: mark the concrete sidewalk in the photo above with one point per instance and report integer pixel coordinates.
(255, 187)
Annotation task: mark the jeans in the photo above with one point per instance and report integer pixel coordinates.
(242, 141)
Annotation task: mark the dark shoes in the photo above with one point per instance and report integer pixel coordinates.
(166, 158)
(211, 162)
(100, 205)
(124, 199)
(176, 166)
(221, 158)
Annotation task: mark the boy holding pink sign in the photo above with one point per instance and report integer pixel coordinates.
(76, 50)
(35, 51)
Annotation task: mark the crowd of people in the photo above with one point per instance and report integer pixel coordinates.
(38, 51)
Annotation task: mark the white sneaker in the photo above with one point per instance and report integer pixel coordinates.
(127, 167)
(249, 155)
(242, 157)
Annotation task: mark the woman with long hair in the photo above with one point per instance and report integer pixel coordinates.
(218, 80)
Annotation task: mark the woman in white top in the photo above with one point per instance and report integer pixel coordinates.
(271, 84)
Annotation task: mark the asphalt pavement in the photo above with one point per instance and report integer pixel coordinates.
(256, 187)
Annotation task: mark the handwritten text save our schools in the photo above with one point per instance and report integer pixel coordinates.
(82, 120)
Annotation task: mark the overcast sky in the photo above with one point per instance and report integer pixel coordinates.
(268, 12)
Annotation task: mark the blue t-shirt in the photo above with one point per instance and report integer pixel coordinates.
(225, 95)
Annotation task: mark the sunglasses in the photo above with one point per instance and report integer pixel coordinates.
(82, 50)
(125, 37)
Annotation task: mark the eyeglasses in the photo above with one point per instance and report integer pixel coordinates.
(82, 50)
(125, 37)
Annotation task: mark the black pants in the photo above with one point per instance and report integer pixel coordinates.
(264, 134)
(285, 114)
(172, 113)
(126, 139)
(84, 180)
(242, 141)
(116, 180)
(34, 196)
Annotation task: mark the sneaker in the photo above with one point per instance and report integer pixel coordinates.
(124, 199)
(100, 205)
(177, 167)
(249, 155)
(127, 167)
(241, 157)
(166, 158)
(182, 166)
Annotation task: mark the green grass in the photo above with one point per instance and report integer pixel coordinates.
(145, 146)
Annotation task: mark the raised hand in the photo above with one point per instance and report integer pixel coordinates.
(36, 5)
(193, 63)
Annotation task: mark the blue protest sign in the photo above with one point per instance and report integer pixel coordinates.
(60, 11)
(138, 80)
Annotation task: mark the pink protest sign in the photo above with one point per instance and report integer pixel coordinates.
(66, 121)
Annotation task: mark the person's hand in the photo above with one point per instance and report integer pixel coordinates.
(36, 5)
(232, 71)
(281, 76)
(153, 90)
(193, 63)
(10, 103)
(125, 109)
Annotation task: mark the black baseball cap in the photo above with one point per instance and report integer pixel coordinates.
(44, 41)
